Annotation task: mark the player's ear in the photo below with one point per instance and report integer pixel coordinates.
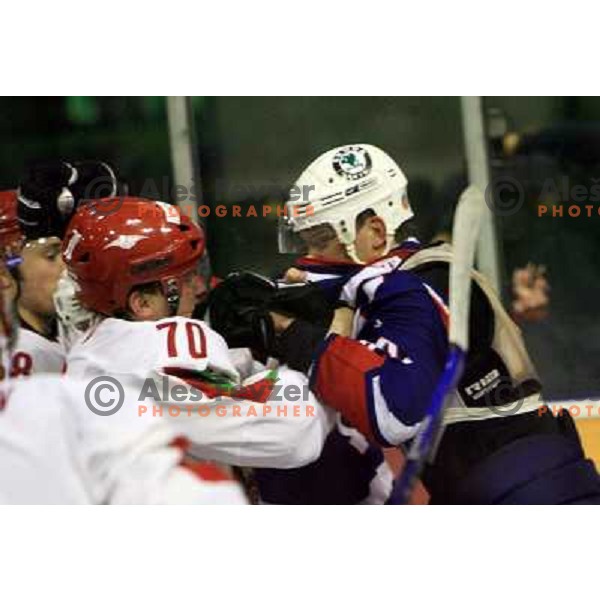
(140, 305)
(377, 232)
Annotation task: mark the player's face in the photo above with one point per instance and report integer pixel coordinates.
(371, 240)
(40, 270)
(370, 244)
(191, 289)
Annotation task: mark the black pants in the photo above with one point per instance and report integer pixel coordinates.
(524, 459)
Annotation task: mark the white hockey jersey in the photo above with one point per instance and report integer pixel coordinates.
(55, 450)
(258, 422)
(35, 354)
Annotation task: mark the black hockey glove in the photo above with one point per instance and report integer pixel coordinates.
(238, 309)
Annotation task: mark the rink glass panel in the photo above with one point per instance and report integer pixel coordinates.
(558, 148)
(253, 149)
(131, 133)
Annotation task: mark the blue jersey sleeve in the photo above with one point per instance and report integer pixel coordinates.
(382, 382)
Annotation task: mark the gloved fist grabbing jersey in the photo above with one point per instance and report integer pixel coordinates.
(239, 309)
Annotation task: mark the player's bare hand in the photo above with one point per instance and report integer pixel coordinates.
(280, 322)
(531, 293)
(293, 275)
(342, 322)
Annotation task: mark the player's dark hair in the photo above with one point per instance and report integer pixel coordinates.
(317, 237)
(363, 217)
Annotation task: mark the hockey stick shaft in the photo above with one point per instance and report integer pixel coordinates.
(465, 233)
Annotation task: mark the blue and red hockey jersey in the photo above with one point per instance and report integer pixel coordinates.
(382, 378)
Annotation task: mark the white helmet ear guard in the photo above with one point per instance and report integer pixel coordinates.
(340, 185)
(288, 240)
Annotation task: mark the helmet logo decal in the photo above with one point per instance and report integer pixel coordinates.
(76, 237)
(127, 242)
(352, 162)
(172, 214)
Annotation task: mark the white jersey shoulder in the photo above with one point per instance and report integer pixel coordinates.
(143, 349)
(35, 354)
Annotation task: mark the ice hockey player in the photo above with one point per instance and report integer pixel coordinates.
(55, 450)
(383, 355)
(32, 285)
(135, 271)
(349, 469)
(47, 196)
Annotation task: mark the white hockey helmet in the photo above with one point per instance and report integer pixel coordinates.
(340, 185)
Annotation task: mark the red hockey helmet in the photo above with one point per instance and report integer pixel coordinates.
(11, 242)
(142, 241)
(11, 237)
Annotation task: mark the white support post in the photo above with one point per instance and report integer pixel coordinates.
(183, 157)
(488, 260)
(181, 136)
